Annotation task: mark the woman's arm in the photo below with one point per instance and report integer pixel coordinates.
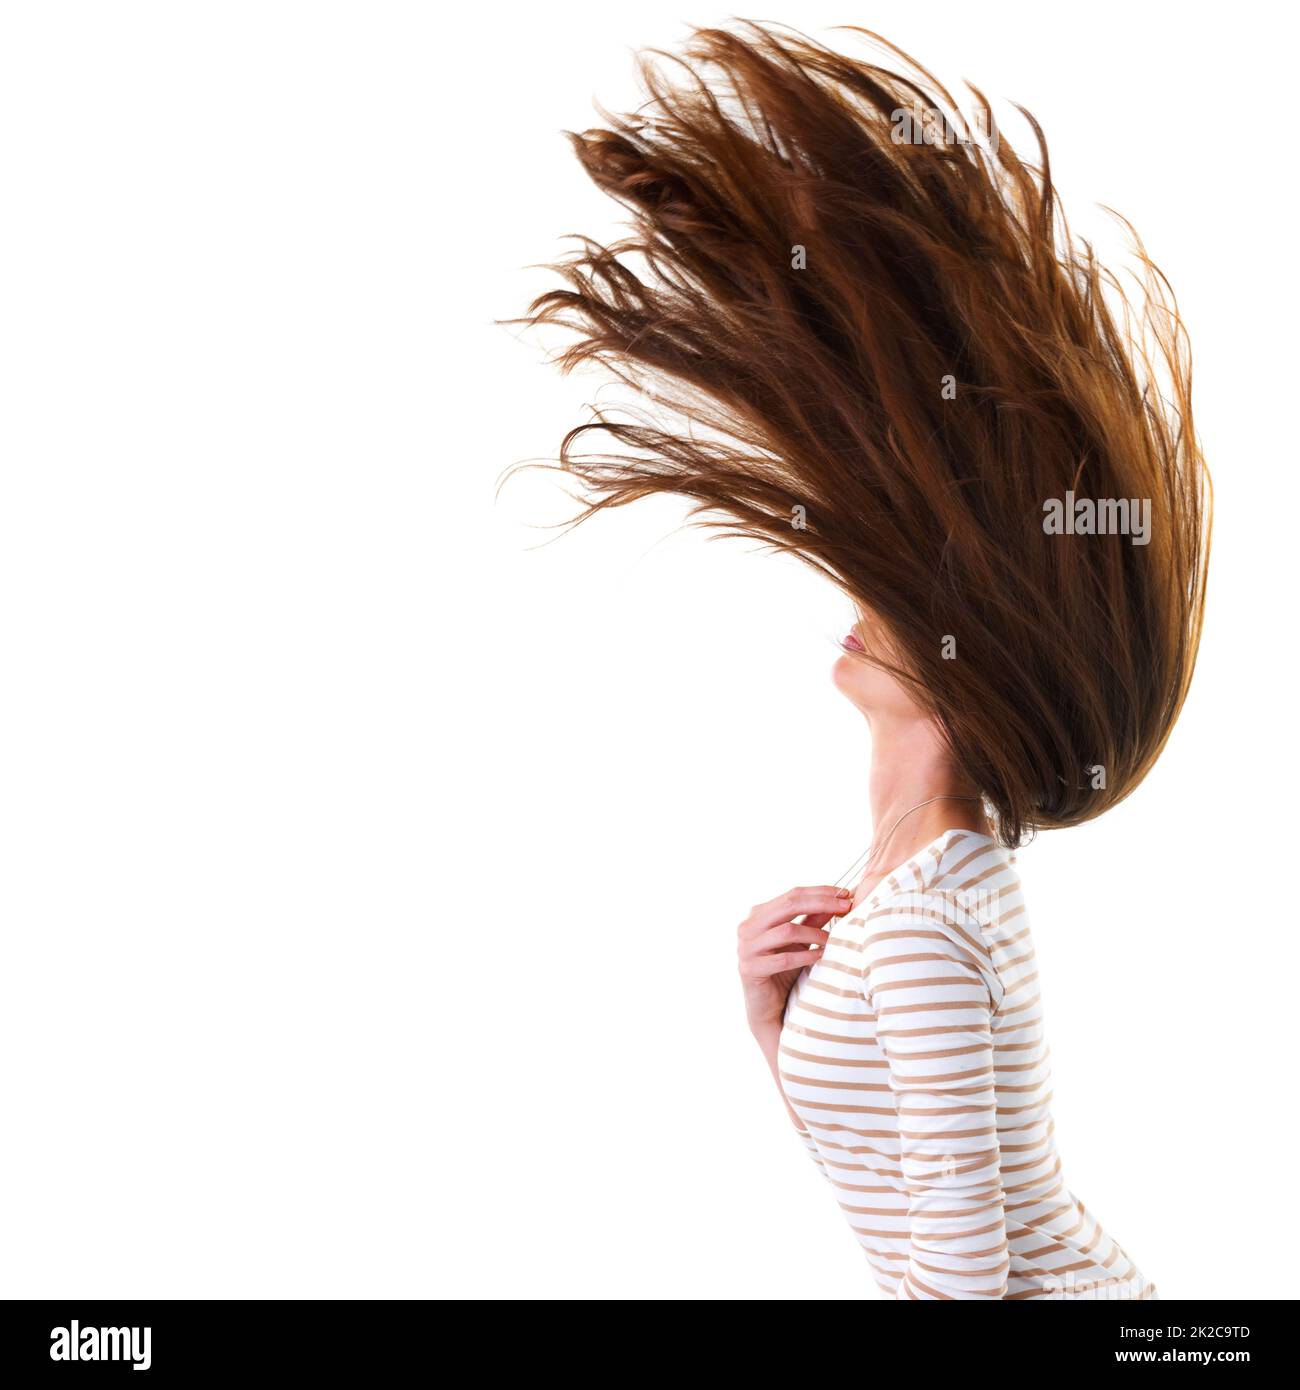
(934, 1023)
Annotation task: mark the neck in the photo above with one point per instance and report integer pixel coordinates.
(910, 763)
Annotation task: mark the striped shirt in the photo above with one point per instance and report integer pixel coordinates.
(913, 1052)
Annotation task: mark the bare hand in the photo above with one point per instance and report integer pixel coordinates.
(773, 947)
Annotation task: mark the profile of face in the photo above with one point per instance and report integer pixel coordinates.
(876, 692)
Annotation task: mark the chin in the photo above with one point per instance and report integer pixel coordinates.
(869, 689)
(853, 678)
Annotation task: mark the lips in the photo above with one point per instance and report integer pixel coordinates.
(850, 643)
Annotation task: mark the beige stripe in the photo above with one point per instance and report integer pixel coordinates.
(878, 1063)
(834, 1085)
(847, 1039)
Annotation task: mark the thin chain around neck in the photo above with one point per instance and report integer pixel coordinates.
(879, 844)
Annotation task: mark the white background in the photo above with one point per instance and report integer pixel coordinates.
(370, 871)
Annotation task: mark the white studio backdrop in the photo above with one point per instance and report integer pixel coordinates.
(371, 861)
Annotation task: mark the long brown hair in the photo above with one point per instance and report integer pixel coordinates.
(873, 342)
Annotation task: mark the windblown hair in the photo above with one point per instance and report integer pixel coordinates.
(889, 356)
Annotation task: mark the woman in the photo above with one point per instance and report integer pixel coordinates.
(873, 343)
(911, 1054)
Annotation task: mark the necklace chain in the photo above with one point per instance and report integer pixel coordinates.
(875, 844)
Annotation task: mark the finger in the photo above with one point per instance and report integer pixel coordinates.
(781, 961)
(824, 898)
(789, 934)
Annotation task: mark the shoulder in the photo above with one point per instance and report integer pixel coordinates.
(919, 938)
(973, 865)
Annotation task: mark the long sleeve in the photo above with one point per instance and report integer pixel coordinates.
(929, 982)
